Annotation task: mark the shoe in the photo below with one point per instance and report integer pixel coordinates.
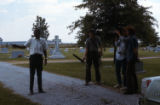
(127, 92)
(41, 91)
(98, 83)
(87, 83)
(31, 93)
(123, 88)
(117, 86)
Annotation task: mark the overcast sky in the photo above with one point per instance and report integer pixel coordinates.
(17, 17)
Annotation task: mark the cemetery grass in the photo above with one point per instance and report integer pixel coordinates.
(69, 54)
(7, 97)
(77, 70)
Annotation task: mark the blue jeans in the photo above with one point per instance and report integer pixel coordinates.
(121, 67)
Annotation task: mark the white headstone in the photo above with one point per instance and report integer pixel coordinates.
(56, 52)
(17, 54)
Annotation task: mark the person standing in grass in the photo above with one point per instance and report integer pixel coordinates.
(120, 57)
(132, 57)
(93, 53)
(38, 48)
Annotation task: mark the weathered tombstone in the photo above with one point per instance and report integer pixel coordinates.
(66, 49)
(56, 52)
(17, 54)
(157, 49)
(82, 50)
(4, 50)
(139, 67)
(111, 50)
(149, 48)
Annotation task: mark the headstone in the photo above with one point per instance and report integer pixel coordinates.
(56, 52)
(66, 49)
(17, 54)
(157, 49)
(139, 67)
(149, 48)
(4, 50)
(111, 50)
(82, 50)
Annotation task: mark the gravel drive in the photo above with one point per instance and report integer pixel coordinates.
(61, 90)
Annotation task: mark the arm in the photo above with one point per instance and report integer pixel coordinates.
(101, 51)
(18, 46)
(45, 57)
(45, 46)
(135, 49)
(85, 54)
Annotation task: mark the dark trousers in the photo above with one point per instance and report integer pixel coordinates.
(36, 64)
(93, 57)
(121, 68)
(131, 81)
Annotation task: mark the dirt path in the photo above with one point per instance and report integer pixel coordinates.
(72, 60)
(61, 90)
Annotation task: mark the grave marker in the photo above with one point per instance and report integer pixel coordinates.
(17, 54)
(56, 52)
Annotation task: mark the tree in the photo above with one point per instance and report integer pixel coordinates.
(41, 24)
(107, 15)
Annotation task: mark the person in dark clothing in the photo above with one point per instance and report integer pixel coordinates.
(38, 48)
(92, 55)
(132, 57)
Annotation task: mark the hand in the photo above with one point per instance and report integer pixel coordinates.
(45, 61)
(14, 45)
(84, 58)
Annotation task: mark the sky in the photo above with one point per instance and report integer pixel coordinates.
(17, 17)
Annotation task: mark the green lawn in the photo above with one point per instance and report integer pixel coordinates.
(77, 70)
(7, 97)
(69, 54)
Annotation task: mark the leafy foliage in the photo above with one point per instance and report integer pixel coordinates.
(107, 15)
(41, 24)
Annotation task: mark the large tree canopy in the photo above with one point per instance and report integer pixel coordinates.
(41, 24)
(106, 15)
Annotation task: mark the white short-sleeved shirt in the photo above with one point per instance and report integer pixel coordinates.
(36, 46)
(121, 48)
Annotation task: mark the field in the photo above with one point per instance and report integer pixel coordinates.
(77, 70)
(69, 54)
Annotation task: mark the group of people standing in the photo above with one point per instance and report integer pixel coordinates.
(126, 55)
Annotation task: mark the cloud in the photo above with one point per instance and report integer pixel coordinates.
(18, 26)
(40, 1)
(4, 2)
(155, 7)
(3, 11)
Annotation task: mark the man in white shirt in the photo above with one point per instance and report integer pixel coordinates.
(37, 47)
(120, 61)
